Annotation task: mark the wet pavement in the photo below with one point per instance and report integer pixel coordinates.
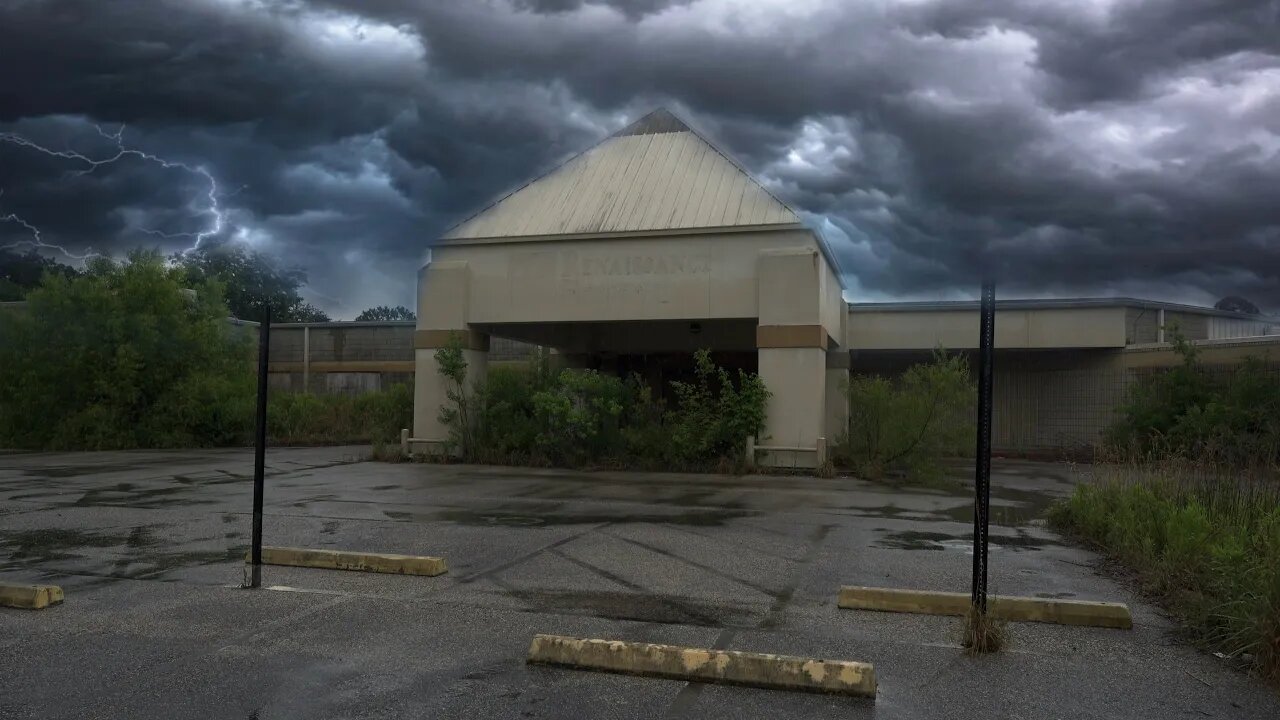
(149, 548)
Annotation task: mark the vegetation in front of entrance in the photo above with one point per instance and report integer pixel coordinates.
(536, 416)
(910, 424)
(1203, 541)
(118, 357)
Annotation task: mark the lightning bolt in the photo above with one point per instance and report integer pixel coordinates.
(37, 240)
(212, 209)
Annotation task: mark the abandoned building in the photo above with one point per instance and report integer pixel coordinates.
(654, 243)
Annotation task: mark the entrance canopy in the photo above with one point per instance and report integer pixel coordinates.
(653, 240)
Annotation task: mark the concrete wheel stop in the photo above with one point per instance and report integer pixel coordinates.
(29, 597)
(1015, 609)
(356, 561)
(674, 662)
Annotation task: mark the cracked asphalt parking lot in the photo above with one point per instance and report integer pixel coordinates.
(149, 547)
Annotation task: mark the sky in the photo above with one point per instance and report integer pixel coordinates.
(1066, 147)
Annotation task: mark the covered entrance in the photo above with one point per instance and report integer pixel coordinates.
(633, 255)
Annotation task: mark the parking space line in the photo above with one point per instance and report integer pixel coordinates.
(684, 701)
(472, 577)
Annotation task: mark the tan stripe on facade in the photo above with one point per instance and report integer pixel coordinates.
(791, 336)
(431, 339)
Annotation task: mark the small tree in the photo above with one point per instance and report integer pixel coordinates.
(456, 414)
(912, 422)
(713, 416)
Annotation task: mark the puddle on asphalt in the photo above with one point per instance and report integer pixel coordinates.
(69, 471)
(915, 540)
(1027, 507)
(633, 606)
(129, 495)
(55, 544)
(137, 556)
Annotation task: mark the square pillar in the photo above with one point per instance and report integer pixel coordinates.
(442, 316)
(431, 389)
(792, 345)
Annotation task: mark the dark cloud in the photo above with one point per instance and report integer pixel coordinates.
(1072, 147)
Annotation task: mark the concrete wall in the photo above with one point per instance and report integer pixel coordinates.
(956, 329)
(1061, 401)
(1193, 326)
(341, 357)
(1142, 325)
(1222, 328)
(772, 291)
(691, 276)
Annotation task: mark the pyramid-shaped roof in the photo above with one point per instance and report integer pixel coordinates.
(654, 175)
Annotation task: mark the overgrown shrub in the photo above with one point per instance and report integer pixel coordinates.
(713, 416)
(506, 431)
(303, 419)
(1229, 416)
(1207, 545)
(459, 412)
(579, 417)
(120, 357)
(912, 422)
(583, 417)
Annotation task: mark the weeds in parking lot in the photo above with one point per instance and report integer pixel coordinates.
(983, 633)
(1204, 540)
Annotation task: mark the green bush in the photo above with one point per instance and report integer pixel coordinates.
(302, 419)
(713, 417)
(583, 417)
(506, 429)
(120, 357)
(579, 417)
(1229, 416)
(1208, 547)
(910, 423)
(459, 413)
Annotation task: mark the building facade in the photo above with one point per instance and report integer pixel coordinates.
(654, 243)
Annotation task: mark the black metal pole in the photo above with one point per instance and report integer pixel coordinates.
(982, 456)
(260, 446)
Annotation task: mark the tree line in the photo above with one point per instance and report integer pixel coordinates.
(249, 279)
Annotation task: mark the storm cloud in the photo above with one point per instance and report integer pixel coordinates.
(1072, 147)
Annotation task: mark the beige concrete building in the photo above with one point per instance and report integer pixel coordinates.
(1063, 367)
(654, 243)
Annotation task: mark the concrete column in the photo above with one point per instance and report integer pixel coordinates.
(306, 358)
(792, 345)
(442, 315)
